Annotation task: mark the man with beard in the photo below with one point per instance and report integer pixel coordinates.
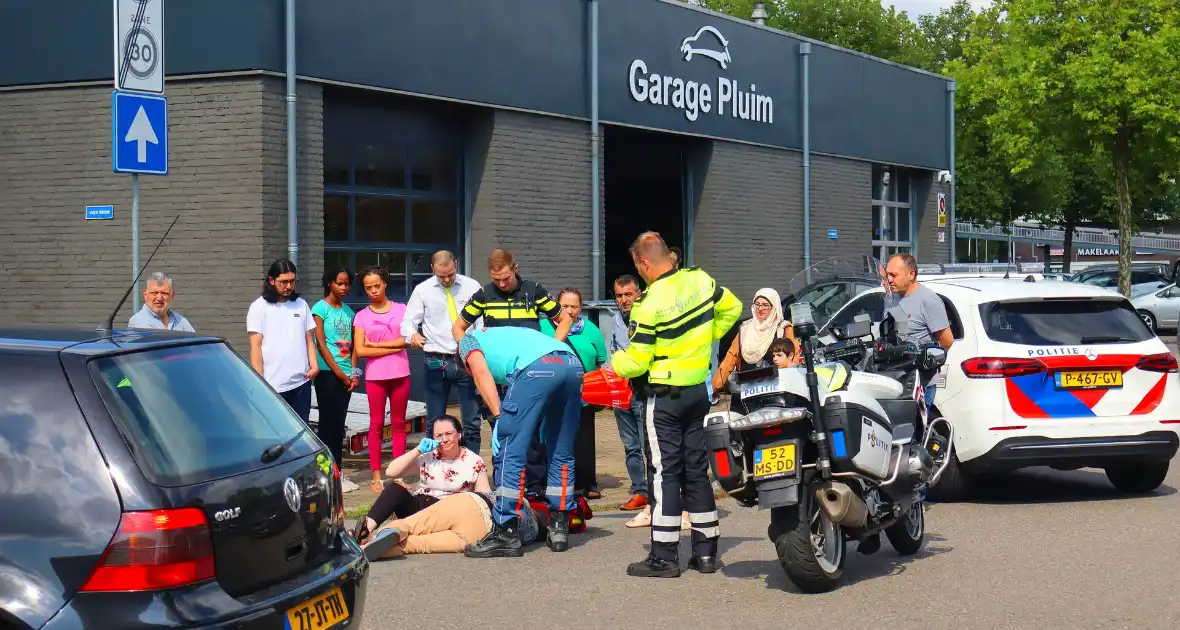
(158, 293)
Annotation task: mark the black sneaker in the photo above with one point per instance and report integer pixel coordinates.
(559, 531)
(502, 542)
(654, 567)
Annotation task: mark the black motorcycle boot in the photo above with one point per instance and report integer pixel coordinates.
(502, 542)
(870, 545)
(704, 564)
(559, 530)
(654, 567)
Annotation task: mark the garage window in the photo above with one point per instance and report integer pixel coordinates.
(892, 211)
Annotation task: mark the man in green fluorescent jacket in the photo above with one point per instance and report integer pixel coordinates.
(673, 328)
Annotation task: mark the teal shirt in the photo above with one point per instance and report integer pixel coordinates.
(588, 343)
(337, 334)
(507, 349)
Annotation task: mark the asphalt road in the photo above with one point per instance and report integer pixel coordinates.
(1036, 548)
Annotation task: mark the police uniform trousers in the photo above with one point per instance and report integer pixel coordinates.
(678, 470)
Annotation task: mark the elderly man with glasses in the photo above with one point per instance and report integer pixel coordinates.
(157, 313)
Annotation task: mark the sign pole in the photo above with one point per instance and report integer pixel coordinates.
(135, 240)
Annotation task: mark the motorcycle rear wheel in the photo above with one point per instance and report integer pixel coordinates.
(810, 547)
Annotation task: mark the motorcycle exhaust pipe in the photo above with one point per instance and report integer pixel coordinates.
(842, 505)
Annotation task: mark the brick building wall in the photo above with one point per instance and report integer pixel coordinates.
(55, 159)
(529, 185)
(840, 199)
(929, 250)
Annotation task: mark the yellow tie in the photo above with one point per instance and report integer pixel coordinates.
(454, 312)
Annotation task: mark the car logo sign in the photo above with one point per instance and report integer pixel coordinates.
(292, 494)
(1090, 354)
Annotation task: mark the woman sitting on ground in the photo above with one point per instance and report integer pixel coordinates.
(448, 526)
(445, 467)
(751, 347)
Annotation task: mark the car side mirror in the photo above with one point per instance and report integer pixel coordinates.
(933, 358)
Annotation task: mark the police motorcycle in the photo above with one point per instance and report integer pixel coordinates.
(833, 448)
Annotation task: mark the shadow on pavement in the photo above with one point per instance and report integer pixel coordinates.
(591, 534)
(1045, 485)
(857, 567)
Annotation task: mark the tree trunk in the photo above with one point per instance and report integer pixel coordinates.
(1122, 162)
(1067, 246)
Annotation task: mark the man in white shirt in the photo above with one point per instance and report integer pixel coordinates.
(282, 341)
(431, 311)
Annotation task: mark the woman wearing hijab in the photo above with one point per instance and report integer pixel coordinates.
(751, 347)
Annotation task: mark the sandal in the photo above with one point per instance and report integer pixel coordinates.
(593, 495)
(360, 533)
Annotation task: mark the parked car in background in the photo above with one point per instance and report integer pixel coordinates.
(1142, 280)
(152, 479)
(1160, 310)
(1048, 374)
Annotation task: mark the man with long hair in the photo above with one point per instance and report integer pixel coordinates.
(282, 338)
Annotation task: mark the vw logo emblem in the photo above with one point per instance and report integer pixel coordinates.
(1091, 355)
(292, 494)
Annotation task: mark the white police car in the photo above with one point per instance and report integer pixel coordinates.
(1053, 374)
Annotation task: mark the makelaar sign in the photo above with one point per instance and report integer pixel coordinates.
(139, 139)
(139, 45)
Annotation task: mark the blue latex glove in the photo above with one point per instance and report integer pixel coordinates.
(496, 437)
(427, 445)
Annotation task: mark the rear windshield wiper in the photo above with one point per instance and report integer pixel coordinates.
(276, 451)
(1106, 339)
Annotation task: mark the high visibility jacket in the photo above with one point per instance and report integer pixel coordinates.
(673, 327)
(524, 306)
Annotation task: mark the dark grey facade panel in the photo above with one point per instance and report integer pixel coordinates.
(531, 55)
(527, 54)
(60, 41)
(874, 111)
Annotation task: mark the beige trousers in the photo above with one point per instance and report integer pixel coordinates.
(445, 527)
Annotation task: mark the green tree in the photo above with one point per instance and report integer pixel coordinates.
(944, 33)
(1082, 81)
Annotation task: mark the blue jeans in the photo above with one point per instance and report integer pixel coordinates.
(549, 389)
(930, 391)
(631, 432)
(300, 400)
(440, 376)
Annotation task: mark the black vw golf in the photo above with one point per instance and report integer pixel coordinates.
(152, 479)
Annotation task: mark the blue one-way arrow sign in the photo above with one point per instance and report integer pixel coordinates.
(139, 135)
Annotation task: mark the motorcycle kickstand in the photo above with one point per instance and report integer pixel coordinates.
(946, 458)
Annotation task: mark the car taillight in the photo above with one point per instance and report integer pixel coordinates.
(1001, 367)
(155, 550)
(1163, 362)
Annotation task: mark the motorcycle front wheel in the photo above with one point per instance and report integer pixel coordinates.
(907, 534)
(810, 547)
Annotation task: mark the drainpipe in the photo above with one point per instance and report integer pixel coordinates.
(805, 53)
(950, 104)
(292, 202)
(595, 150)
(759, 13)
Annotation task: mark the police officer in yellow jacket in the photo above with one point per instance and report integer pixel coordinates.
(673, 327)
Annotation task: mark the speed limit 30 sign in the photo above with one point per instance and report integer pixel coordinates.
(139, 45)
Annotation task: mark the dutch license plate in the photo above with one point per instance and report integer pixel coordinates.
(1090, 379)
(319, 613)
(776, 460)
(757, 388)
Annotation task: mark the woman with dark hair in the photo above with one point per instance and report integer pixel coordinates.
(337, 377)
(282, 343)
(377, 338)
(588, 342)
(445, 467)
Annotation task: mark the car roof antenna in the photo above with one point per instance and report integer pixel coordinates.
(109, 325)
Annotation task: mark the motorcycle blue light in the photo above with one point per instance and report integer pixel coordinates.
(838, 448)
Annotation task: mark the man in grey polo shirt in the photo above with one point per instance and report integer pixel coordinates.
(157, 312)
(919, 307)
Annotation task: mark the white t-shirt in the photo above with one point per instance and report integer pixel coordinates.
(284, 327)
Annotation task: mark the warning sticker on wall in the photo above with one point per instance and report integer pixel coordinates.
(941, 213)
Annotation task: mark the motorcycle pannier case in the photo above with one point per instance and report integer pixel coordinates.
(862, 439)
(726, 470)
